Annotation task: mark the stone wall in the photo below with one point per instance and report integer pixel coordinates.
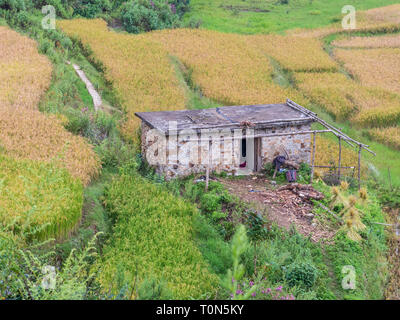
(298, 147)
(186, 153)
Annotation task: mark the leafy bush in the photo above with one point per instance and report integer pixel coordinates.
(23, 273)
(153, 238)
(142, 15)
(153, 289)
(301, 274)
(91, 8)
(12, 5)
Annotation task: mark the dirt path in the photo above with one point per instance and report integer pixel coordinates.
(283, 207)
(97, 102)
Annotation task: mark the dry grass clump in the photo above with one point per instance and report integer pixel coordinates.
(29, 134)
(294, 53)
(38, 200)
(387, 41)
(225, 66)
(389, 136)
(374, 67)
(24, 73)
(138, 67)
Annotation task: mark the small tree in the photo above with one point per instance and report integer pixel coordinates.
(257, 232)
(239, 245)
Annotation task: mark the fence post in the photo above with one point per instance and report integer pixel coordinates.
(340, 156)
(313, 159)
(209, 164)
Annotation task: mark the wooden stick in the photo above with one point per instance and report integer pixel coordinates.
(359, 166)
(340, 156)
(336, 131)
(313, 158)
(329, 211)
(333, 167)
(260, 135)
(390, 179)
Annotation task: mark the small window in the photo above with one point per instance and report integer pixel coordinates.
(243, 148)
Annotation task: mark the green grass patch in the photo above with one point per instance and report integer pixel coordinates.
(244, 17)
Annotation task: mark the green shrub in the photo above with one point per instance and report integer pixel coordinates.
(153, 289)
(153, 237)
(91, 8)
(14, 5)
(301, 274)
(142, 16)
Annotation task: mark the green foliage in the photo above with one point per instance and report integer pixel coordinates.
(153, 289)
(235, 275)
(27, 274)
(153, 237)
(114, 152)
(257, 230)
(14, 5)
(301, 274)
(217, 204)
(142, 15)
(91, 8)
(212, 246)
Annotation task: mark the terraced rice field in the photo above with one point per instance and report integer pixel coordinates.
(43, 166)
(387, 41)
(374, 67)
(238, 69)
(346, 99)
(294, 53)
(138, 67)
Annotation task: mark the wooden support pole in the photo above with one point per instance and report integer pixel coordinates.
(209, 164)
(313, 158)
(359, 166)
(340, 156)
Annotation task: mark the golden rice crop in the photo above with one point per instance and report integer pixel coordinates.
(344, 98)
(138, 67)
(37, 195)
(374, 67)
(26, 133)
(294, 53)
(327, 154)
(225, 66)
(330, 90)
(24, 73)
(389, 136)
(387, 41)
(29, 134)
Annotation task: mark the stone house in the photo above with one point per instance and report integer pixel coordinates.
(235, 139)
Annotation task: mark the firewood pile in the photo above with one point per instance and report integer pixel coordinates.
(304, 191)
